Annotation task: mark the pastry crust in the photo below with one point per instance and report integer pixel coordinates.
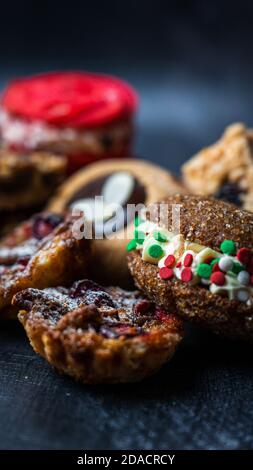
(29, 259)
(224, 169)
(208, 222)
(98, 335)
(110, 265)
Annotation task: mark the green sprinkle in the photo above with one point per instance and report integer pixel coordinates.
(155, 251)
(237, 267)
(204, 270)
(139, 236)
(215, 260)
(131, 245)
(228, 247)
(137, 221)
(159, 237)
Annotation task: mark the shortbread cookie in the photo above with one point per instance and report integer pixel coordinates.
(118, 182)
(84, 116)
(98, 335)
(41, 252)
(224, 170)
(205, 272)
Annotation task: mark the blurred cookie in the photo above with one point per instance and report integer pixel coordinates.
(41, 252)
(28, 180)
(82, 115)
(96, 334)
(120, 182)
(225, 169)
(205, 272)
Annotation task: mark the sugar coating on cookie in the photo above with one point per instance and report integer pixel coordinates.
(206, 269)
(196, 263)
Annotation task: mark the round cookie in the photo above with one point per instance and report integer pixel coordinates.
(205, 271)
(82, 115)
(225, 169)
(125, 181)
(96, 334)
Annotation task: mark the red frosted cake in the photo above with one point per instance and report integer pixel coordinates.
(82, 115)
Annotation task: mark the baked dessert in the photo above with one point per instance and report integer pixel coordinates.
(225, 169)
(205, 271)
(121, 185)
(28, 180)
(82, 115)
(96, 334)
(41, 252)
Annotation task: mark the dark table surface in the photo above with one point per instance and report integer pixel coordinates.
(202, 399)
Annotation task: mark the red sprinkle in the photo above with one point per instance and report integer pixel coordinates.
(215, 267)
(188, 259)
(218, 278)
(166, 273)
(179, 264)
(186, 275)
(170, 261)
(244, 255)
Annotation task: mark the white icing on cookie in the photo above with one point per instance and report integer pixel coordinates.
(118, 188)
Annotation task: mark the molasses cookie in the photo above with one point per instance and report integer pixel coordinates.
(121, 185)
(96, 334)
(204, 271)
(225, 169)
(41, 252)
(82, 115)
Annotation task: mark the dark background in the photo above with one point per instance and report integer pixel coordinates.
(191, 62)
